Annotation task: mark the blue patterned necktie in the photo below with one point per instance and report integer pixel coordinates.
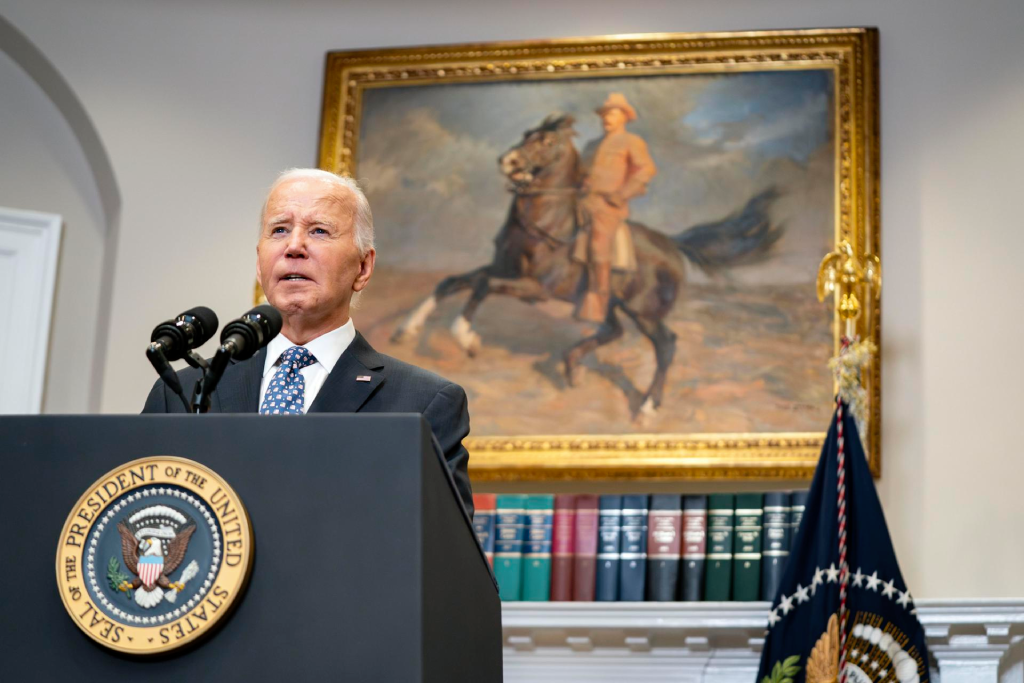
(286, 392)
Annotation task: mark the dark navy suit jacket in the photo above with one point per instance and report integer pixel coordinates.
(394, 387)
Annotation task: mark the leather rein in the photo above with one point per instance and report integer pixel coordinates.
(531, 227)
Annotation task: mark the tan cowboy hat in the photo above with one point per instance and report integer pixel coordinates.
(617, 100)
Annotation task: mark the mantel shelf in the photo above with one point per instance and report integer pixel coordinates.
(972, 640)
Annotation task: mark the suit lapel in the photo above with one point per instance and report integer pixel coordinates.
(242, 393)
(343, 391)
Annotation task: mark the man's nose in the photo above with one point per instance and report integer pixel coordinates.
(296, 247)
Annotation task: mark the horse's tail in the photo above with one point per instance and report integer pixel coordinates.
(746, 236)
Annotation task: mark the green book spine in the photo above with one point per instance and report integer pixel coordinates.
(509, 531)
(718, 570)
(540, 512)
(746, 554)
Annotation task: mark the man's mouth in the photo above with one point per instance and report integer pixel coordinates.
(294, 277)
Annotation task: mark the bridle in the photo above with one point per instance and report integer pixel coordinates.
(526, 191)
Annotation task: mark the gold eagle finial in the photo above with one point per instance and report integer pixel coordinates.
(843, 274)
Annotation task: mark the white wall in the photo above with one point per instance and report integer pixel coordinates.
(201, 103)
(42, 168)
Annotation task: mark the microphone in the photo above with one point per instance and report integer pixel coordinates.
(239, 340)
(173, 339)
(188, 331)
(243, 337)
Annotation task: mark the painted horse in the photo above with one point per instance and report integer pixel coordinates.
(532, 259)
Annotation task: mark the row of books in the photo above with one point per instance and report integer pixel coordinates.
(663, 547)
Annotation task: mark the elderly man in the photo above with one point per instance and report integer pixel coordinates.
(314, 253)
(618, 170)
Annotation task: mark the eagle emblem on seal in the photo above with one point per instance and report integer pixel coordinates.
(154, 542)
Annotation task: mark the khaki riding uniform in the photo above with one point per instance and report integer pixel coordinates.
(620, 171)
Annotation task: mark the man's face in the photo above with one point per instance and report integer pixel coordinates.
(614, 120)
(307, 259)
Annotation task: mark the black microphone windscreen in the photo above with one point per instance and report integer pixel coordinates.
(206, 323)
(252, 331)
(274, 321)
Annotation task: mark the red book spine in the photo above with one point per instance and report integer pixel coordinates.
(585, 564)
(563, 546)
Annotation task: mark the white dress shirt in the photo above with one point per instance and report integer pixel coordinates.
(327, 349)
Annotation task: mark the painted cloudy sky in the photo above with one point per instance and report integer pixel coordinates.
(428, 158)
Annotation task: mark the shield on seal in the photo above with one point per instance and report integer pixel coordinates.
(150, 569)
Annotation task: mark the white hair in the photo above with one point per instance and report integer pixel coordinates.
(361, 214)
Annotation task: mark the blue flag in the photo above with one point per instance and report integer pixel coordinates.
(884, 640)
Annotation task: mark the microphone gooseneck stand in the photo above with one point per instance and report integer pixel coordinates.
(207, 384)
(155, 354)
(200, 402)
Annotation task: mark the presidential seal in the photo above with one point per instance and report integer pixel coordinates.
(877, 652)
(153, 555)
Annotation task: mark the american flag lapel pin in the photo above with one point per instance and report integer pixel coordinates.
(363, 378)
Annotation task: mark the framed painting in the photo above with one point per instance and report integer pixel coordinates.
(611, 243)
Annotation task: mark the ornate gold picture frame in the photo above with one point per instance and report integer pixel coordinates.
(765, 143)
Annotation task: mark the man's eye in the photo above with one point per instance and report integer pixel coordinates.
(319, 231)
(277, 231)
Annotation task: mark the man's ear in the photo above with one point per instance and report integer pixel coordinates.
(365, 270)
(259, 274)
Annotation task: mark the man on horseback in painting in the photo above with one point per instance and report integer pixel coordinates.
(618, 171)
(541, 253)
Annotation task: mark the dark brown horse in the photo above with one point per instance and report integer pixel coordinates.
(532, 259)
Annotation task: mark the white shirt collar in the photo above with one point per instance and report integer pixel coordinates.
(327, 348)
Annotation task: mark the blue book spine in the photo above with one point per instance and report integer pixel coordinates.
(797, 505)
(509, 530)
(633, 543)
(775, 542)
(609, 539)
(483, 525)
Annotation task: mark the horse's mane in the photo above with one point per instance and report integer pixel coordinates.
(552, 124)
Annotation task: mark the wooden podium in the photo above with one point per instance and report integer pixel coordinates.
(366, 565)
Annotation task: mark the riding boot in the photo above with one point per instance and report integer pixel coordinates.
(594, 307)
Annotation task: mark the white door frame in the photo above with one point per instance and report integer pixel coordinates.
(29, 250)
